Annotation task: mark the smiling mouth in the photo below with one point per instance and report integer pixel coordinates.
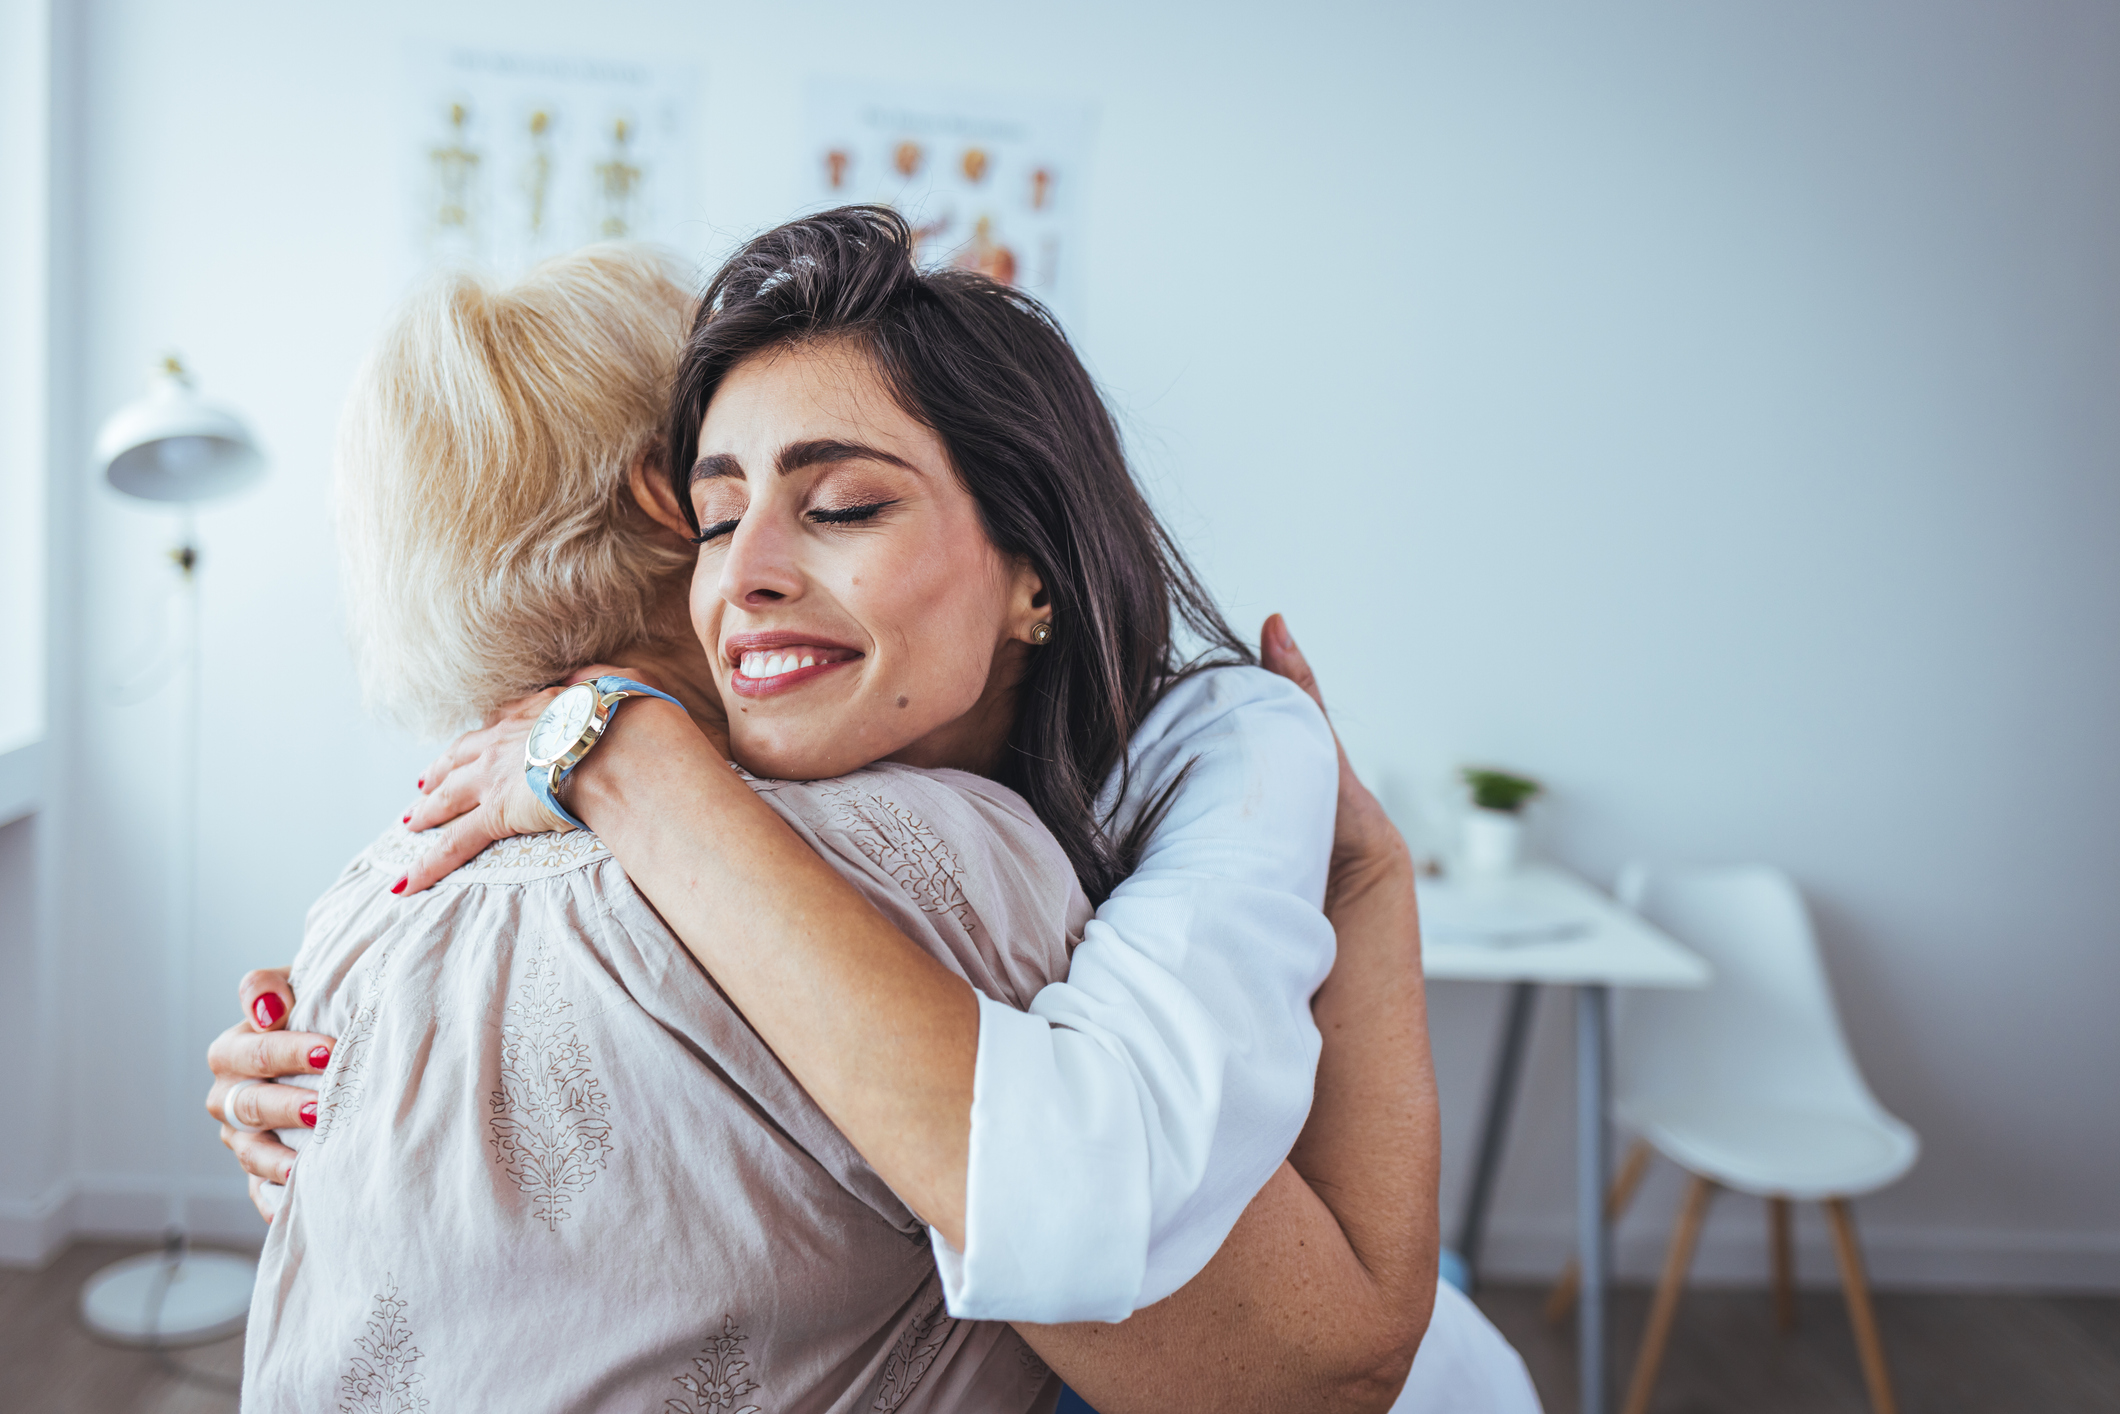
(760, 671)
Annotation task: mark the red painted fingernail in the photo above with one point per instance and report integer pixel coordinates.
(408, 818)
(399, 886)
(309, 1114)
(420, 784)
(319, 1057)
(268, 1009)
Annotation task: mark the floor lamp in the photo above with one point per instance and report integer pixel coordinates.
(172, 448)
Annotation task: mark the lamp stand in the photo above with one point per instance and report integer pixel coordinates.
(176, 1297)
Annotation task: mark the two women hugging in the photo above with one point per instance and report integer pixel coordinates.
(1037, 999)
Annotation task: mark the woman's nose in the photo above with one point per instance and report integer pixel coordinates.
(761, 567)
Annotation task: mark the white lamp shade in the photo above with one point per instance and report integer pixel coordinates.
(171, 446)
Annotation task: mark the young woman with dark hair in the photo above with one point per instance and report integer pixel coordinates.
(986, 368)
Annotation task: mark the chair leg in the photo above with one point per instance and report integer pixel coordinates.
(1860, 1316)
(1562, 1299)
(1684, 1234)
(1784, 1264)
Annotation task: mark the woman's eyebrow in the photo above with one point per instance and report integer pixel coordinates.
(797, 455)
(718, 465)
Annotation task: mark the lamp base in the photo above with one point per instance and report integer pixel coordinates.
(165, 1299)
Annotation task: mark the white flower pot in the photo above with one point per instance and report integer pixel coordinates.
(1493, 841)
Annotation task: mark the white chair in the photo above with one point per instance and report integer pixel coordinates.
(1748, 1084)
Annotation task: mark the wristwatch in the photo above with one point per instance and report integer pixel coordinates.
(570, 725)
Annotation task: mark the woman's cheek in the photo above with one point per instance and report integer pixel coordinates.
(705, 604)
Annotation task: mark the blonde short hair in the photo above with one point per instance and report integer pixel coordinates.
(487, 533)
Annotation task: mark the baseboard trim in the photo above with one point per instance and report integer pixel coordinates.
(116, 1207)
(1732, 1250)
(1899, 1257)
(32, 1230)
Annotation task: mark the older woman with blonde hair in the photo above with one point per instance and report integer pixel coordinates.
(550, 1155)
(487, 537)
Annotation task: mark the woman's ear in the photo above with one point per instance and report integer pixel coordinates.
(651, 489)
(1029, 604)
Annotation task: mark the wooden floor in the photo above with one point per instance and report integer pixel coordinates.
(49, 1362)
(1950, 1354)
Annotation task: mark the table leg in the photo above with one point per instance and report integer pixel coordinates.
(1592, 1018)
(1502, 1086)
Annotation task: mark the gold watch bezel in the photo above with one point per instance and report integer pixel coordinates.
(592, 731)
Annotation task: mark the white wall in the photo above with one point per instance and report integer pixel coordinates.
(29, 1170)
(1708, 410)
(24, 154)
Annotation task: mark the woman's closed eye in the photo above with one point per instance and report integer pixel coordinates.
(713, 532)
(823, 515)
(850, 515)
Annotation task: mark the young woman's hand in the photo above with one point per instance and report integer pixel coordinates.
(475, 793)
(1366, 846)
(259, 1048)
(1320, 1296)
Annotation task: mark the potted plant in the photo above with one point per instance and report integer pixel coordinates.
(1494, 827)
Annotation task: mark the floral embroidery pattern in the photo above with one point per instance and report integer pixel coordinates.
(910, 1358)
(561, 849)
(381, 1378)
(397, 848)
(717, 1378)
(904, 847)
(553, 852)
(341, 1099)
(550, 1133)
(1035, 1370)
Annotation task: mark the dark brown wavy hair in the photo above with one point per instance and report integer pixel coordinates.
(988, 369)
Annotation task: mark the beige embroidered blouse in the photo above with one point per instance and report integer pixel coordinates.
(554, 1169)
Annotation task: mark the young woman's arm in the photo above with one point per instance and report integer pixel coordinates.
(1320, 1296)
(881, 1034)
(1078, 1161)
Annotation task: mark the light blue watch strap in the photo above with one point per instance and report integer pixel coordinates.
(541, 779)
(609, 685)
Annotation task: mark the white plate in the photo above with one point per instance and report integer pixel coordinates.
(1451, 914)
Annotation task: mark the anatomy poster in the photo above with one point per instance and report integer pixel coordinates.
(987, 181)
(514, 157)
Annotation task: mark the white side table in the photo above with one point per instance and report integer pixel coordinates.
(1541, 926)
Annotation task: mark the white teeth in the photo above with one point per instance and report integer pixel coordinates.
(772, 665)
(762, 664)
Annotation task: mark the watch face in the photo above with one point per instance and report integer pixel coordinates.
(561, 725)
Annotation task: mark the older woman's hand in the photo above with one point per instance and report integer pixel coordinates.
(257, 1048)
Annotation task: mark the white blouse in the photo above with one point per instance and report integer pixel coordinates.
(1121, 1125)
